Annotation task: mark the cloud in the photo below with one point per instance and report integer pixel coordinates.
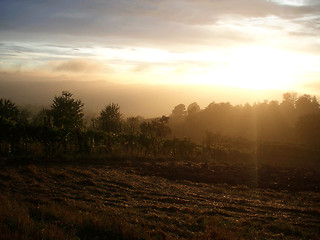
(80, 66)
(63, 37)
(141, 21)
(143, 67)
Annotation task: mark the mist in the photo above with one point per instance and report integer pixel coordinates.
(146, 100)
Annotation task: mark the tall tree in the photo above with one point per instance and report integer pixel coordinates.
(306, 104)
(193, 108)
(289, 98)
(11, 126)
(67, 112)
(8, 110)
(110, 119)
(179, 111)
(9, 114)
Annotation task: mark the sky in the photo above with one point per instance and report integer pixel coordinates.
(246, 44)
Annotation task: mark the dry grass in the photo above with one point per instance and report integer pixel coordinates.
(22, 220)
(127, 199)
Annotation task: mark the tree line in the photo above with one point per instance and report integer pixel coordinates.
(62, 129)
(296, 119)
(189, 132)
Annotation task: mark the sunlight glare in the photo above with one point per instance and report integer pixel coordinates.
(254, 68)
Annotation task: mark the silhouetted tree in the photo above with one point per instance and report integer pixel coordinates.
(308, 129)
(8, 110)
(153, 133)
(179, 112)
(193, 108)
(289, 99)
(161, 128)
(8, 124)
(131, 126)
(67, 112)
(110, 119)
(157, 128)
(43, 118)
(13, 126)
(306, 104)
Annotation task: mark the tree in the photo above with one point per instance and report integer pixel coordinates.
(157, 128)
(9, 113)
(179, 111)
(160, 127)
(306, 104)
(132, 125)
(308, 129)
(12, 125)
(110, 119)
(43, 118)
(287, 108)
(67, 112)
(289, 98)
(8, 110)
(153, 133)
(193, 108)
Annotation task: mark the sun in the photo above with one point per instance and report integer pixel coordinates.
(261, 68)
(248, 67)
(254, 68)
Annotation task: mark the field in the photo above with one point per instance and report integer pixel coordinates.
(157, 199)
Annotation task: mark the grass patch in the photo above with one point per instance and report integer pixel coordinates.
(156, 199)
(19, 220)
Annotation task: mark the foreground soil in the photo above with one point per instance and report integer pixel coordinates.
(159, 199)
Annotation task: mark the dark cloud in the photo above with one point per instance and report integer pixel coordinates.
(8, 55)
(159, 22)
(40, 52)
(15, 49)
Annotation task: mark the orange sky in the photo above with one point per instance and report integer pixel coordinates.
(247, 44)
